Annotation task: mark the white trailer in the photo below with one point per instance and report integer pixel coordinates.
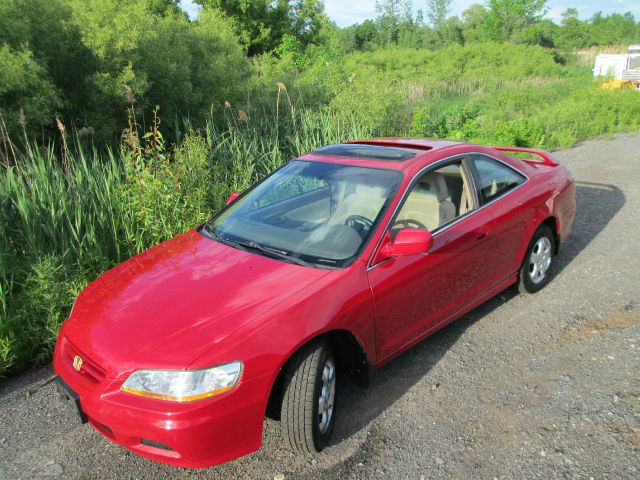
(633, 64)
(625, 66)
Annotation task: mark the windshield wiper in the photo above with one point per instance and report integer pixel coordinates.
(251, 245)
(272, 252)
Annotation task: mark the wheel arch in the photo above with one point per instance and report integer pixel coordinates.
(554, 225)
(550, 221)
(351, 358)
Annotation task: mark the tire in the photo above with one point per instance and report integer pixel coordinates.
(311, 377)
(535, 271)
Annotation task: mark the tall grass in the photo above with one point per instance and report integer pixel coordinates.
(67, 222)
(67, 216)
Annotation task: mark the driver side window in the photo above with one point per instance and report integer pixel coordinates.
(438, 198)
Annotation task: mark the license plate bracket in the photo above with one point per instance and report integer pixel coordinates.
(71, 398)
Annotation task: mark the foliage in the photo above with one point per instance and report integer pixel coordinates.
(196, 57)
(506, 18)
(125, 123)
(539, 114)
(519, 21)
(65, 226)
(599, 30)
(84, 60)
(437, 11)
(25, 91)
(262, 24)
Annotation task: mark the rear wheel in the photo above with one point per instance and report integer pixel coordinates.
(536, 268)
(308, 405)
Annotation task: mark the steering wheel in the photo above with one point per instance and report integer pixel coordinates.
(359, 223)
(409, 223)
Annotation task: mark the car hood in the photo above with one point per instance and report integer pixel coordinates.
(170, 304)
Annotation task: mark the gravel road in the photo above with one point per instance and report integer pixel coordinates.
(543, 386)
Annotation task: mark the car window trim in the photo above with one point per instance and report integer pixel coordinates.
(466, 161)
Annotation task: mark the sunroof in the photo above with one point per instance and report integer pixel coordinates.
(369, 152)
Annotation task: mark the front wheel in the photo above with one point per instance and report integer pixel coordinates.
(535, 270)
(308, 405)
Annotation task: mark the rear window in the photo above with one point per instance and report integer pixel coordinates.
(494, 178)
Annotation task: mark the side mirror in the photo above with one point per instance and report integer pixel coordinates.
(409, 241)
(232, 197)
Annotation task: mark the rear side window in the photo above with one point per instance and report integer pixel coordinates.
(494, 178)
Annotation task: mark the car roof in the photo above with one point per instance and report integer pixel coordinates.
(390, 152)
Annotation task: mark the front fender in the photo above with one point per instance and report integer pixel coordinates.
(341, 300)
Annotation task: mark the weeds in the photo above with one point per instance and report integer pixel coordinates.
(70, 212)
(67, 222)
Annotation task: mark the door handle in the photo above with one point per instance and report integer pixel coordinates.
(482, 236)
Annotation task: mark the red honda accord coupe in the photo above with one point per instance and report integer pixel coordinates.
(332, 265)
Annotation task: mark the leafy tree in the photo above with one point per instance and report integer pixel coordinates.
(201, 65)
(437, 11)
(507, 18)
(363, 35)
(28, 98)
(308, 19)
(260, 23)
(47, 44)
(599, 30)
(543, 33)
(263, 23)
(473, 19)
(393, 16)
(574, 32)
(612, 29)
(164, 7)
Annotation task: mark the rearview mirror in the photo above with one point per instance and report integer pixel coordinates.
(408, 241)
(232, 197)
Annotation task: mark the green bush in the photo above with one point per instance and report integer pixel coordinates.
(69, 212)
(69, 219)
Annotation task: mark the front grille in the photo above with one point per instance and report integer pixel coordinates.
(89, 369)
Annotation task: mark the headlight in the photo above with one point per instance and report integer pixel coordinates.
(183, 385)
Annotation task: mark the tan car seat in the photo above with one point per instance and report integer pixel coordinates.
(428, 204)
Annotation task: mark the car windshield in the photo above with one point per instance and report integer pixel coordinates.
(313, 213)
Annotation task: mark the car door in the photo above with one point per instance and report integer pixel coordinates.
(499, 194)
(414, 294)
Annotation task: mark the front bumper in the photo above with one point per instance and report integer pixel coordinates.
(195, 434)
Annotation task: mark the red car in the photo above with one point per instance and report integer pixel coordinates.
(332, 265)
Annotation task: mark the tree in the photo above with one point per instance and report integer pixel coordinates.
(164, 7)
(28, 98)
(259, 23)
(201, 64)
(574, 32)
(393, 16)
(308, 18)
(612, 29)
(472, 20)
(44, 42)
(437, 11)
(507, 18)
(365, 34)
(263, 23)
(543, 33)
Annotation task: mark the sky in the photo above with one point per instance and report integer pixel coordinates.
(348, 12)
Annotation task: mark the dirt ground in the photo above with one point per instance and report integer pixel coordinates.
(542, 386)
